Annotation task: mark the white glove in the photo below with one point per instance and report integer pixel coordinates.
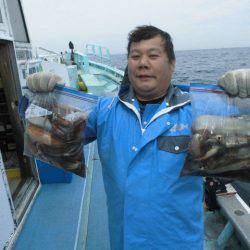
(236, 82)
(43, 82)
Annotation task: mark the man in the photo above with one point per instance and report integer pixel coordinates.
(142, 152)
(142, 137)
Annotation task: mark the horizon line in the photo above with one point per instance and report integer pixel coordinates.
(236, 47)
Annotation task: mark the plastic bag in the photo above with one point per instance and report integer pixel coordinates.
(54, 125)
(220, 143)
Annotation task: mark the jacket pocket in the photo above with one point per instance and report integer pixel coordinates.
(174, 144)
(171, 155)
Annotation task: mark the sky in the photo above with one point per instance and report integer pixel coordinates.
(193, 24)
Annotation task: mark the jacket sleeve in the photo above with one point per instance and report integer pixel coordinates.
(90, 132)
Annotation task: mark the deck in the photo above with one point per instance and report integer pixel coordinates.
(54, 218)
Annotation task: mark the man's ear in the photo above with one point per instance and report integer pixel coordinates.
(172, 65)
(125, 79)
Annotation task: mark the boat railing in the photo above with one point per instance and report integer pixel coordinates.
(28, 67)
(23, 51)
(48, 55)
(237, 213)
(98, 51)
(111, 70)
(83, 63)
(81, 60)
(50, 58)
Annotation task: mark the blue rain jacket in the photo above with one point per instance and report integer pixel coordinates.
(149, 205)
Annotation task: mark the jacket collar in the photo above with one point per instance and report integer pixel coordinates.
(175, 97)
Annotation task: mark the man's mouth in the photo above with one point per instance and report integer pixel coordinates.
(145, 77)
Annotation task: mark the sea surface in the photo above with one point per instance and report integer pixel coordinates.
(202, 66)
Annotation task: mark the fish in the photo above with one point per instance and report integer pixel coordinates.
(220, 146)
(41, 121)
(73, 163)
(56, 138)
(40, 135)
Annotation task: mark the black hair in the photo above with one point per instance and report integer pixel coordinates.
(146, 32)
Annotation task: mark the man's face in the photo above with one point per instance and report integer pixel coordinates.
(149, 69)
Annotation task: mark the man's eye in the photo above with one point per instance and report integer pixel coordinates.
(153, 56)
(134, 57)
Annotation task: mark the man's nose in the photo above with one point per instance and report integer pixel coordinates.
(143, 62)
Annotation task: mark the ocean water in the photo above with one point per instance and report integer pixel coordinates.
(203, 66)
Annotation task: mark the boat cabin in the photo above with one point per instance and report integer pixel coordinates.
(19, 181)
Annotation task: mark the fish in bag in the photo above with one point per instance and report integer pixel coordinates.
(220, 141)
(54, 129)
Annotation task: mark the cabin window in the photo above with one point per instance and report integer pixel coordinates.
(32, 70)
(39, 68)
(20, 55)
(24, 73)
(23, 54)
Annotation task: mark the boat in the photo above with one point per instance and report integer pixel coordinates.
(81, 73)
(43, 207)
